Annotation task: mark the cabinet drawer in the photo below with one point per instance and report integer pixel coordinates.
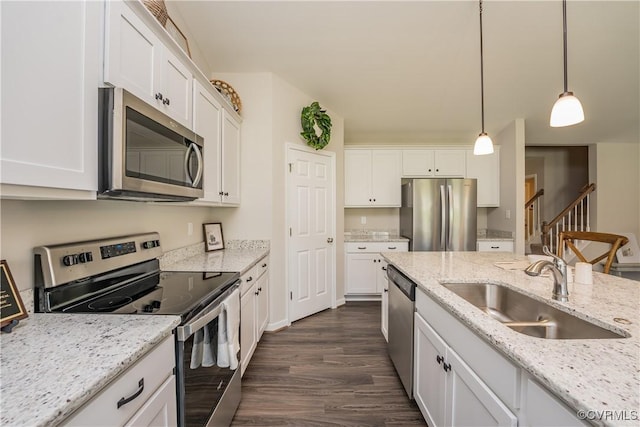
(376, 247)
(248, 278)
(154, 368)
(495, 246)
(262, 266)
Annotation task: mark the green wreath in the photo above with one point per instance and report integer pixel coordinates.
(311, 117)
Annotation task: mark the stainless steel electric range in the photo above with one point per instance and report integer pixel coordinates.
(121, 275)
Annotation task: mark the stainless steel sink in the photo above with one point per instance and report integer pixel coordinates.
(527, 315)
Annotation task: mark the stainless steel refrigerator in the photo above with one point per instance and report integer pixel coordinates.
(439, 214)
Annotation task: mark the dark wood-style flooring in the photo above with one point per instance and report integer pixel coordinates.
(330, 369)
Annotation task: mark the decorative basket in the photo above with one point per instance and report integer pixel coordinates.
(158, 9)
(229, 93)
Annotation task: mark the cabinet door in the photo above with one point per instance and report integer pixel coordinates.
(263, 303)
(385, 177)
(541, 408)
(51, 69)
(248, 333)
(417, 163)
(470, 401)
(486, 169)
(230, 160)
(357, 178)
(207, 117)
(361, 273)
(177, 89)
(429, 378)
(160, 410)
(384, 310)
(133, 53)
(450, 163)
(381, 274)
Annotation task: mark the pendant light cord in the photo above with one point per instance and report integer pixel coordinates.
(564, 39)
(482, 70)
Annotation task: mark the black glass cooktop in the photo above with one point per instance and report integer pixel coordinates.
(173, 293)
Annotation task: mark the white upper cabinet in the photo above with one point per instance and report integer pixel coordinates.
(486, 169)
(372, 178)
(207, 122)
(51, 70)
(221, 133)
(230, 160)
(421, 163)
(137, 60)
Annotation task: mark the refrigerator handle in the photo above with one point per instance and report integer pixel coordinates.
(450, 236)
(443, 217)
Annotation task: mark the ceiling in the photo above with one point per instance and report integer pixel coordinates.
(409, 71)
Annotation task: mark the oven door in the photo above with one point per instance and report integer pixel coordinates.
(208, 395)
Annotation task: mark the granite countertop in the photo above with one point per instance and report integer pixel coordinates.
(588, 374)
(373, 237)
(494, 235)
(226, 260)
(47, 372)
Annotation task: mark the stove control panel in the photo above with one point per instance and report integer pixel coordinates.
(117, 249)
(64, 263)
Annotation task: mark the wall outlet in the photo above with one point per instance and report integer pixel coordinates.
(190, 229)
(363, 220)
(507, 214)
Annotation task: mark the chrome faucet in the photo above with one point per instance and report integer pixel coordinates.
(558, 268)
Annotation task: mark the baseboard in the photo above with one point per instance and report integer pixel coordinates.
(273, 327)
(363, 297)
(340, 302)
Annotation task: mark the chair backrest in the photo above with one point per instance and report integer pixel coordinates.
(568, 238)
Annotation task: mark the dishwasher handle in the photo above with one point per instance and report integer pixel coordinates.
(402, 282)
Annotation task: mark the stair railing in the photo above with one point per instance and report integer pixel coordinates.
(575, 217)
(533, 206)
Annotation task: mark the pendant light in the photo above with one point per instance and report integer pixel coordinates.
(567, 110)
(483, 144)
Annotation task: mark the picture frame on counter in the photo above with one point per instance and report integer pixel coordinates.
(11, 306)
(213, 239)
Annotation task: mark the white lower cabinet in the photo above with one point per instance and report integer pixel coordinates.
(461, 380)
(384, 309)
(494, 246)
(364, 274)
(540, 408)
(254, 309)
(447, 391)
(145, 394)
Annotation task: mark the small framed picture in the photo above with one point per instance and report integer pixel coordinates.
(213, 236)
(11, 305)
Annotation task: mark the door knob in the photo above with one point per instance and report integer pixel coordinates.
(330, 240)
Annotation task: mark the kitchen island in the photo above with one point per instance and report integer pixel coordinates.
(53, 363)
(586, 374)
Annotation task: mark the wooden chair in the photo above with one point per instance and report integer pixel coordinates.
(569, 237)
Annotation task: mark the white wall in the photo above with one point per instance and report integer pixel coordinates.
(27, 224)
(511, 141)
(271, 119)
(617, 195)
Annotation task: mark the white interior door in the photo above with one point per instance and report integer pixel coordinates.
(311, 221)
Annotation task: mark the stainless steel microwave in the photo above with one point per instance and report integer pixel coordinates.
(144, 155)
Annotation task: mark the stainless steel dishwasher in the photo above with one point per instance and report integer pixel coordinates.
(402, 297)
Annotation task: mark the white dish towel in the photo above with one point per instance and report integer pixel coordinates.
(229, 331)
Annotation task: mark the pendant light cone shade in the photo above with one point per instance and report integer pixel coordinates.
(483, 144)
(567, 110)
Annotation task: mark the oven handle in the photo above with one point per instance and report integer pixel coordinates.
(212, 311)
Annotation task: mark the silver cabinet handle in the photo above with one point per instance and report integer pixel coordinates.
(392, 247)
(362, 247)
